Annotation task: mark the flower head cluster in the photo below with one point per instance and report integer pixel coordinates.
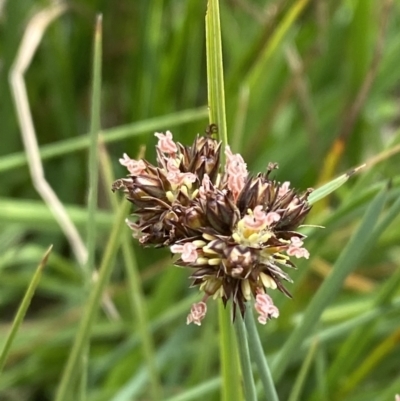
(236, 232)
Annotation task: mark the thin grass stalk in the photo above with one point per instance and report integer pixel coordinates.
(137, 298)
(244, 353)
(295, 394)
(288, 21)
(93, 303)
(320, 374)
(19, 317)
(110, 135)
(386, 291)
(331, 186)
(359, 340)
(93, 150)
(35, 214)
(83, 378)
(230, 388)
(341, 329)
(215, 72)
(139, 306)
(372, 359)
(199, 391)
(216, 102)
(257, 354)
(349, 257)
(91, 229)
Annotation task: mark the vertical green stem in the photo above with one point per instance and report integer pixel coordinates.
(299, 384)
(136, 295)
(19, 317)
(248, 381)
(216, 103)
(230, 388)
(92, 304)
(215, 73)
(93, 188)
(93, 149)
(347, 261)
(257, 353)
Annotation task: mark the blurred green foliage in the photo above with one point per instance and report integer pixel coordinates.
(312, 85)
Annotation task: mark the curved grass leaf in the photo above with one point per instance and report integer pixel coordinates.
(347, 261)
(19, 317)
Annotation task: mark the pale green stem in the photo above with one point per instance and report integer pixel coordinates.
(243, 346)
(216, 104)
(19, 317)
(257, 353)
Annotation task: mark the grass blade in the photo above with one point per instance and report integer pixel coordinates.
(230, 387)
(93, 149)
(346, 262)
(93, 187)
(302, 376)
(331, 186)
(216, 102)
(261, 65)
(248, 380)
(108, 136)
(257, 354)
(137, 297)
(215, 73)
(19, 317)
(93, 303)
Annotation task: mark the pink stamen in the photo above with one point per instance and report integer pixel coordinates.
(197, 313)
(284, 188)
(188, 251)
(272, 217)
(257, 220)
(177, 178)
(205, 186)
(165, 142)
(265, 308)
(236, 170)
(295, 248)
(135, 167)
(172, 165)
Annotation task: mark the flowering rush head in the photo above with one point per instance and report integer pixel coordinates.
(234, 231)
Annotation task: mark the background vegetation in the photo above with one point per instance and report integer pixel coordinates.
(312, 85)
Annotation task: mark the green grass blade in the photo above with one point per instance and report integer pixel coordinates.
(71, 145)
(93, 303)
(257, 353)
(137, 297)
(259, 68)
(36, 215)
(341, 329)
(215, 73)
(199, 391)
(243, 347)
(230, 388)
(93, 149)
(295, 394)
(216, 102)
(331, 186)
(19, 317)
(390, 287)
(349, 257)
(91, 230)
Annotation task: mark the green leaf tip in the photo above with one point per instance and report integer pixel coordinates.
(45, 258)
(333, 185)
(99, 25)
